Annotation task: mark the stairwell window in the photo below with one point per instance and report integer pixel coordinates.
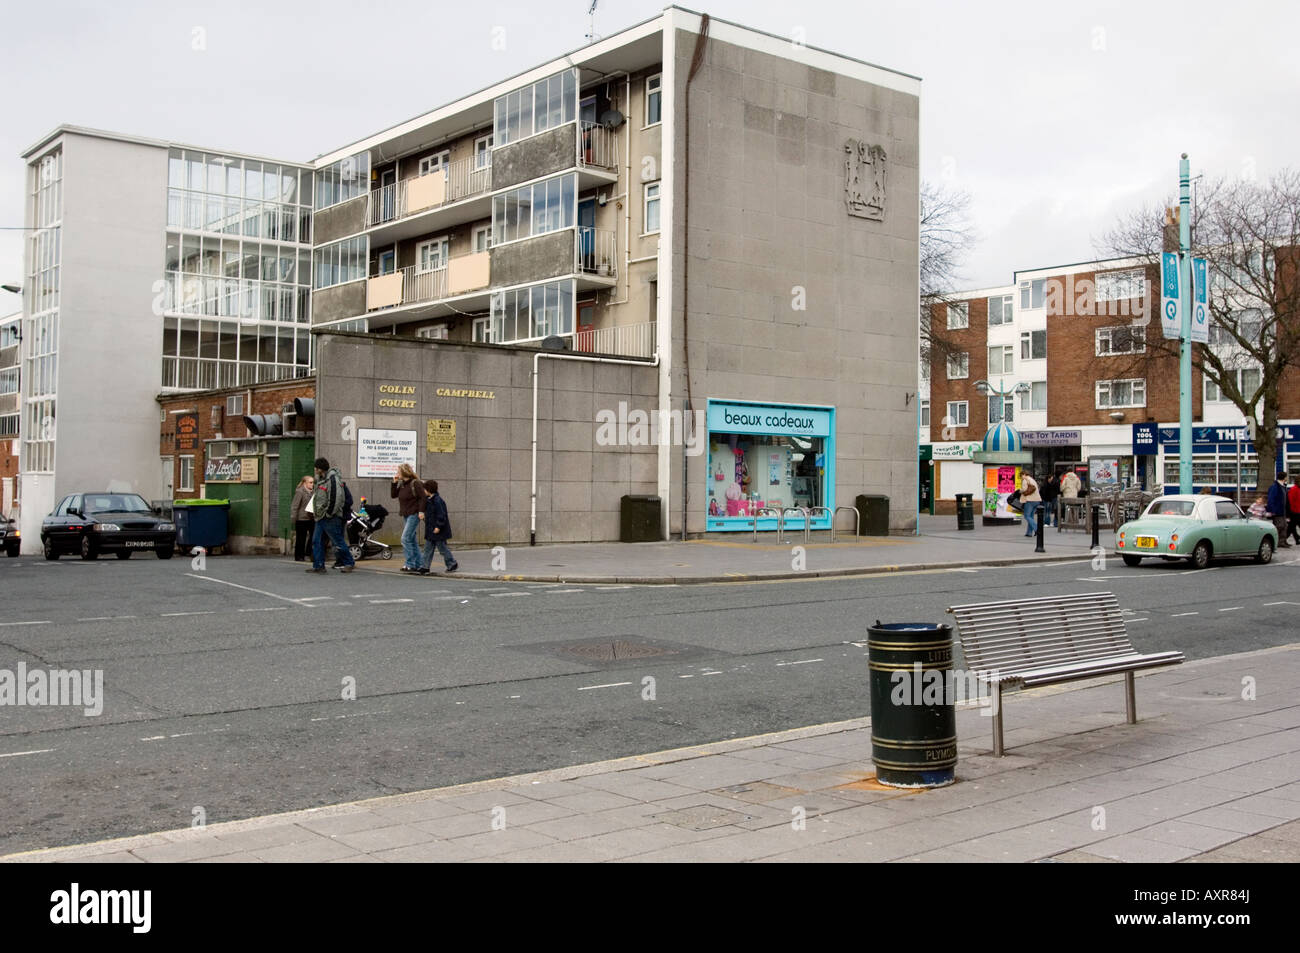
(654, 99)
(652, 207)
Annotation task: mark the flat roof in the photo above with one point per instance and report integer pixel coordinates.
(65, 128)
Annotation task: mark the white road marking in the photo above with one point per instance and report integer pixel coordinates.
(587, 688)
(498, 595)
(265, 609)
(492, 589)
(551, 592)
(374, 602)
(40, 622)
(1282, 603)
(1232, 609)
(800, 662)
(359, 595)
(685, 676)
(204, 612)
(1143, 619)
(611, 588)
(709, 673)
(437, 598)
(260, 592)
(1178, 615)
(314, 598)
(963, 570)
(19, 754)
(360, 714)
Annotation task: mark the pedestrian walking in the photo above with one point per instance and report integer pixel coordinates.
(437, 530)
(302, 518)
(1293, 507)
(1032, 498)
(1277, 508)
(410, 495)
(1051, 492)
(1070, 485)
(328, 504)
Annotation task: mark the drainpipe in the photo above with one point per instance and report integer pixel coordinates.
(532, 520)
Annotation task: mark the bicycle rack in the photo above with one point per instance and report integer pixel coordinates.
(857, 520)
(768, 511)
(812, 510)
(803, 513)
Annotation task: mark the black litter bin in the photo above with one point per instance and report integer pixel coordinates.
(201, 523)
(913, 713)
(873, 515)
(965, 511)
(639, 519)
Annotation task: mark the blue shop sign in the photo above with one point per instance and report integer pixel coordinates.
(765, 419)
(1169, 435)
(1144, 439)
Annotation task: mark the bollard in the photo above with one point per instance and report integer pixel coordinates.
(1095, 543)
(1038, 548)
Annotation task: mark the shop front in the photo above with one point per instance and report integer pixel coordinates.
(1054, 451)
(1220, 461)
(769, 457)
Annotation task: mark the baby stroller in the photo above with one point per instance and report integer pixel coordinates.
(362, 526)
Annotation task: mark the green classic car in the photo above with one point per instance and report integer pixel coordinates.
(1198, 528)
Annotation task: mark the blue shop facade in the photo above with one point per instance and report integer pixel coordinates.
(769, 459)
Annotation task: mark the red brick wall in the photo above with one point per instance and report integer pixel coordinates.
(265, 399)
(1074, 368)
(974, 341)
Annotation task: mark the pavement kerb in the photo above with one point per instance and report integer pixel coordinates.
(73, 851)
(753, 576)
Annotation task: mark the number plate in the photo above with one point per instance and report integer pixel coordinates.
(140, 543)
(1146, 542)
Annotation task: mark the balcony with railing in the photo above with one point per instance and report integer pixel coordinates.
(456, 193)
(625, 340)
(597, 147)
(462, 281)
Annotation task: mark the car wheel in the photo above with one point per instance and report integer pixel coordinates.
(88, 551)
(1132, 560)
(1265, 554)
(356, 551)
(47, 546)
(125, 554)
(388, 553)
(165, 552)
(1201, 554)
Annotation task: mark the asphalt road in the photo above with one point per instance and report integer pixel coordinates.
(224, 686)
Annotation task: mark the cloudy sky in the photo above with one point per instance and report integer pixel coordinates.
(1053, 118)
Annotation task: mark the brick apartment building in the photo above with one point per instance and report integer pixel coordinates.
(1068, 345)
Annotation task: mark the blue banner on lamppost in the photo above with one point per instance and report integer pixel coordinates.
(1200, 301)
(1171, 302)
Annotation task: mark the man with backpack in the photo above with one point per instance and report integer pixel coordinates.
(329, 503)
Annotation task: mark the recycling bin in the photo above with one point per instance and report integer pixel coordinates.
(201, 523)
(639, 519)
(873, 515)
(913, 704)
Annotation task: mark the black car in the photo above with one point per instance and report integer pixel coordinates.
(9, 535)
(92, 523)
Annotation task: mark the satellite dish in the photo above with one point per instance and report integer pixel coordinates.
(554, 343)
(612, 119)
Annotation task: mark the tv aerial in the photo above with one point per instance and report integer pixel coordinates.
(592, 37)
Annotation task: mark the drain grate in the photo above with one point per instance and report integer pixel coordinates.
(701, 817)
(614, 650)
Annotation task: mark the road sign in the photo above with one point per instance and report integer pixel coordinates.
(1171, 302)
(1200, 302)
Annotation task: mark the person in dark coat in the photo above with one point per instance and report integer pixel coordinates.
(1276, 506)
(437, 529)
(1051, 491)
(303, 524)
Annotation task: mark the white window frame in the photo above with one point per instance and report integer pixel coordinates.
(963, 366)
(1006, 310)
(481, 330)
(444, 244)
(1027, 296)
(186, 480)
(1027, 398)
(1027, 345)
(1106, 336)
(483, 151)
(657, 92)
(485, 233)
(1106, 387)
(1008, 363)
(437, 162)
(647, 198)
(1008, 414)
(235, 405)
(961, 419)
(962, 309)
(437, 332)
(1237, 374)
(1120, 285)
(925, 411)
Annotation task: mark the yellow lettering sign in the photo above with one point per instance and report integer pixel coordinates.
(466, 392)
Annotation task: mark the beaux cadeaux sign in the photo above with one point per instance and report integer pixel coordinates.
(755, 418)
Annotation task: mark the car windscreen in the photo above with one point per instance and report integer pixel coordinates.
(1171, 508)
(115, 503)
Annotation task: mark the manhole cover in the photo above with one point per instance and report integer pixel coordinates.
(613, 650)
(701, 817)
(758, 792)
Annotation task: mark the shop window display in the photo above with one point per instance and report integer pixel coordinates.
(750, 471)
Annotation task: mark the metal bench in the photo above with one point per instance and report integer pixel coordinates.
(1044, 641)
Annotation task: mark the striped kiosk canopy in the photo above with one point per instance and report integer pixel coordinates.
(1001, 439)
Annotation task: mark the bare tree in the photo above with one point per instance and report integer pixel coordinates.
(947, 237)
(1249, 233)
